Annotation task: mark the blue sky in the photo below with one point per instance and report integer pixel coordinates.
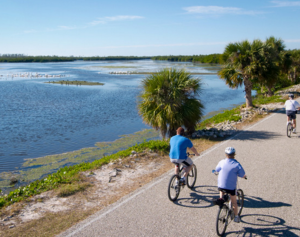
(142, 28)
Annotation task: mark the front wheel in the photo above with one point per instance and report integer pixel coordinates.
(192, 177)
(173, 188)
(222, 220)
(240, 200)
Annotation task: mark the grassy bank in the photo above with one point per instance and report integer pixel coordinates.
(71, 174)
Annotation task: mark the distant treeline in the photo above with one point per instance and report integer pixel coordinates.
(20, 58)
(113, 58)
(211, 58)
(14, 58)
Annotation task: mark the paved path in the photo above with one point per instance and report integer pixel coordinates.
(272, 203)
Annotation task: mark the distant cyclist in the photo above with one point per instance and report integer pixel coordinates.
(291, 106)
(229, 170)
(179, 145)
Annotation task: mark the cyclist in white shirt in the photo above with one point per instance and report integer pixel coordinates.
(291, 107)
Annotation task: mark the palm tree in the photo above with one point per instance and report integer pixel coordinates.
(274, 61)
(241, 65)
(169, 100)
(294, 71)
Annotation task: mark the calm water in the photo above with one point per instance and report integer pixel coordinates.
(39, 119)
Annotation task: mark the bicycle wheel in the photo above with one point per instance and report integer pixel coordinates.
(173, 188)
(222, 220)
(240, 200)
(192, 177)
(289, 129)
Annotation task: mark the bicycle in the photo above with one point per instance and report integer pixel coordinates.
(225, 213)
(175, 185)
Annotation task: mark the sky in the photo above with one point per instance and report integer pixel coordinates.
(142, 28)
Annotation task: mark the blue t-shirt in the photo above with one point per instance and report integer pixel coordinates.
(179, 144)
(229, 170)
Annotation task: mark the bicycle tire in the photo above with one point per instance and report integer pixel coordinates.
(240, 200)
(192, 177)
(222, 220)
(173, 188)
(289, 129)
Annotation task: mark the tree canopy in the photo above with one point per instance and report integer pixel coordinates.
(169, 100)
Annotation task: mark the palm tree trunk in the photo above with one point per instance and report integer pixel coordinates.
(270, 92)
(248, 89)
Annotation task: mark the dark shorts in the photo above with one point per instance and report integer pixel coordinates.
(291, 114)
(231, 192)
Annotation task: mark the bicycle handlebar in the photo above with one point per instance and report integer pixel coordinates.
(216, 173)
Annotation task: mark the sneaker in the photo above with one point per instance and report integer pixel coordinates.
(219, 201)
(294, 130)
(237, 219)
(182, 181)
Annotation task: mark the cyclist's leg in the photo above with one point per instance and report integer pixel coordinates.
(188, 165)
(234, 204)
(174, 161)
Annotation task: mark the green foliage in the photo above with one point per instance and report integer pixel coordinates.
(211, 58)
(226, 115)
(260, 99)
(168, 101)
(66, 175)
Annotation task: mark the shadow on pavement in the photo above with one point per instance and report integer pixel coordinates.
(265, 225)
(257, 202)
(255, 135)
(200, 197)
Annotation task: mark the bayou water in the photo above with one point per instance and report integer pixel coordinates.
(40, 119)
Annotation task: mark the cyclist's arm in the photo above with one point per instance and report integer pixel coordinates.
(193, 149)
(241, 172)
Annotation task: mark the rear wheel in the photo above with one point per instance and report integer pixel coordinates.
(222, 219)
(289, 129)
(173, 188)
(192, 177)
(240, 200)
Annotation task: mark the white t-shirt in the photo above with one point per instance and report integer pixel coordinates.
(291, 105)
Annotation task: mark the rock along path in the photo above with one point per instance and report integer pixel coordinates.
(272, 203)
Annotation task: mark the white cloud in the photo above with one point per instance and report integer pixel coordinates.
(216, 10)
(104, 20)
(286, 3)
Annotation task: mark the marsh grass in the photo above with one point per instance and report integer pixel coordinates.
(76, 83)
(70, 189)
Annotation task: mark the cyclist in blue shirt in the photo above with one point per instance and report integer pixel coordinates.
(179, 145)
(229, 170)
